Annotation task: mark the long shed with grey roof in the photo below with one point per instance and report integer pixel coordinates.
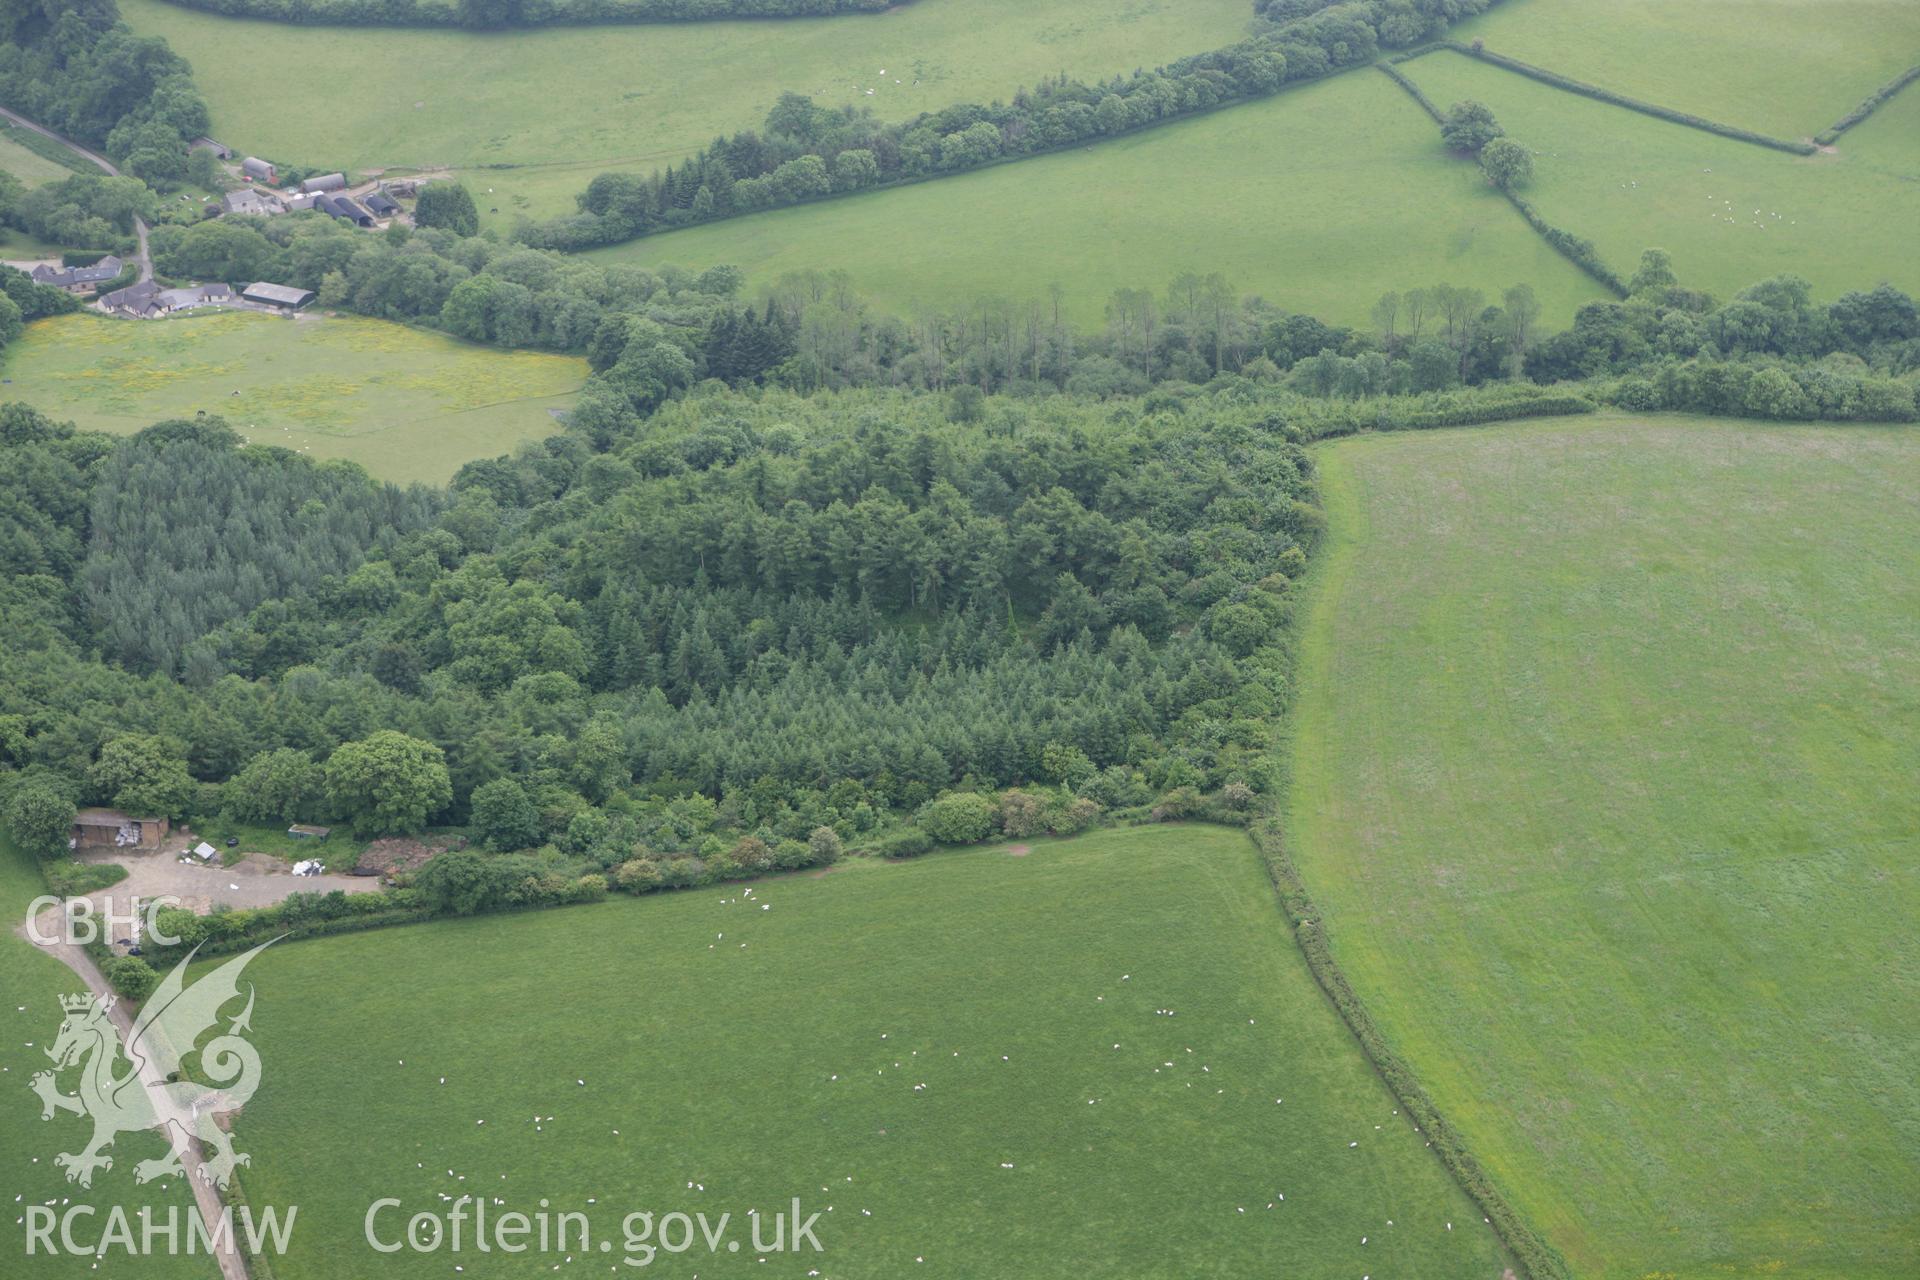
(277, 295)
(79, 279)
(343, 207)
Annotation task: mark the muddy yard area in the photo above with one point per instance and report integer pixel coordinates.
(257, 880)
(396, 854)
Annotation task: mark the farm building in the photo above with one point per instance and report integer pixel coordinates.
(325, 182)
(380, 204)
(78, 279)
(250, 201)
(199, 295)
(140, 299)
(219, 149)
(343, 207)
(259, 170)
(100, 828)
(148, 301)
(277, 295)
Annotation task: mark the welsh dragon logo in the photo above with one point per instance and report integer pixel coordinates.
(143, 1087)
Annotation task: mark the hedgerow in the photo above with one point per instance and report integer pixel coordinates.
(1580, 252)
(1581, 87)
(1827, 136)
(1408, 55)
(1764, 388)
(807, 153)
(1467, 406)
(1575, 249)
(1536, 1258)
(910, 843)
(1398, 77)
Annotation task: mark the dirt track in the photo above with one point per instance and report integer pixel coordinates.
(145, 258)
(254, 881)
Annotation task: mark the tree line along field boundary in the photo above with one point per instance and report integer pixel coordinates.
(1399, 77)
(1533, 1256)
(1874, 101)
(1256, 67)
(1481, 53)
(940, 175)
(51, 149)
(1578, 250)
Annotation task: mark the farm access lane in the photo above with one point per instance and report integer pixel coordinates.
(179, 1124)
(94, 157)
(255, 881)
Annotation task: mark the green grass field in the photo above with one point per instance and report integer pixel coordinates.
(768, 1054)
(1251, 191)
(1888, 141)
(1784, 67)
(26, 164)
(565, 103)
(1604, 781)
(17, 245)
(1627, 182)
(404, 403)
(31, 985)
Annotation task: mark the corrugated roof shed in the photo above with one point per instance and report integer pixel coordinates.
(278, 295)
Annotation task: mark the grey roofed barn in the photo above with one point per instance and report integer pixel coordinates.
(277, 295)
(199, 295)
(343, 207)
(75, 278)
(141, 298)
(251, 201)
